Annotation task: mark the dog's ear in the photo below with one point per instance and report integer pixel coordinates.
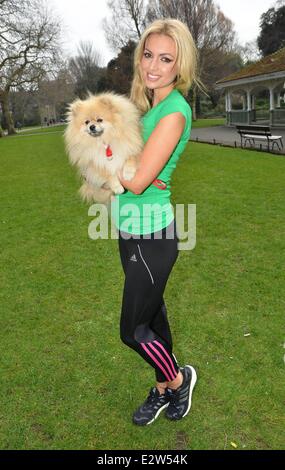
(107, 101)
(74, 107)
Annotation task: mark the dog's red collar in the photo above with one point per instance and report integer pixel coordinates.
(108, 151)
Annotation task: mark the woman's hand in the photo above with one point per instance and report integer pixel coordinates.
(130, 185)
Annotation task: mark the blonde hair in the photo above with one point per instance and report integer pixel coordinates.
(186, 56)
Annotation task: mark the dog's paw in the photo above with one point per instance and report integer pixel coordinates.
(128, 172)
(118, 188)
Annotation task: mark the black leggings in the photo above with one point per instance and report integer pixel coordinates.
(147, 263)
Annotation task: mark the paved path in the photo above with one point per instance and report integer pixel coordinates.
(26, 134)
(228, 136)
(27, 129)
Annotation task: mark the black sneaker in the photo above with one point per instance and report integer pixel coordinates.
(151, 407)
(180, 399)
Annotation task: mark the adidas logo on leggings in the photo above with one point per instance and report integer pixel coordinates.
(133, 258)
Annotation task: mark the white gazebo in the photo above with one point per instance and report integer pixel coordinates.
(269, 74)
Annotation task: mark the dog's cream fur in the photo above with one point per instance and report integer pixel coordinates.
(116, 121)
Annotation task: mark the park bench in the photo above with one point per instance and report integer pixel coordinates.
(252, 133)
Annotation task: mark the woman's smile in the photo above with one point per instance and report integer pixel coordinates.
(152, 77)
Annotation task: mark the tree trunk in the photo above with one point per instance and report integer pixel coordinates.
(4, 101)
(198, 105)
(194, 98)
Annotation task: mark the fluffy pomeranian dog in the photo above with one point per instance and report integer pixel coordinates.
(103, 136)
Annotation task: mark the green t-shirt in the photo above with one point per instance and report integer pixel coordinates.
(152, 210)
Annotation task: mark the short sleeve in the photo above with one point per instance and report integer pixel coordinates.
(175, 107)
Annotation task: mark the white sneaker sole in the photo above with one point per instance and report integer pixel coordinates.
(193, 382)
(158, 412)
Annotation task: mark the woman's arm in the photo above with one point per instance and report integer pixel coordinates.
(157, 150)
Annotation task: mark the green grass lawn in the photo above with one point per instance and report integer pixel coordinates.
(208, 122)
(67, 380)
(39, 130)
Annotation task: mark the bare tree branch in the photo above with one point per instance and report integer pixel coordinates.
(85, 69)
(126, 23)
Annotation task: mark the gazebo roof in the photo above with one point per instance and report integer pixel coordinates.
(271, 63)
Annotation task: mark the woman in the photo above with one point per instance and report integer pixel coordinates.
(164, 69)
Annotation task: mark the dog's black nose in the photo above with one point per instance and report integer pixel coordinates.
(92, 128)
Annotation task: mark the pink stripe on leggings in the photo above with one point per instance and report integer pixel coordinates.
(167, 355)
(156, 361)
(162, 358)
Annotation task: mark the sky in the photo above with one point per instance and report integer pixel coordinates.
(82, 21)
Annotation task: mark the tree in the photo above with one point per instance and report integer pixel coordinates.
(127, 22)
(29, 48)
(219, 64)
(86, 69)
(272, 35)
(249, 52)
(55, 94)
(120, 70)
